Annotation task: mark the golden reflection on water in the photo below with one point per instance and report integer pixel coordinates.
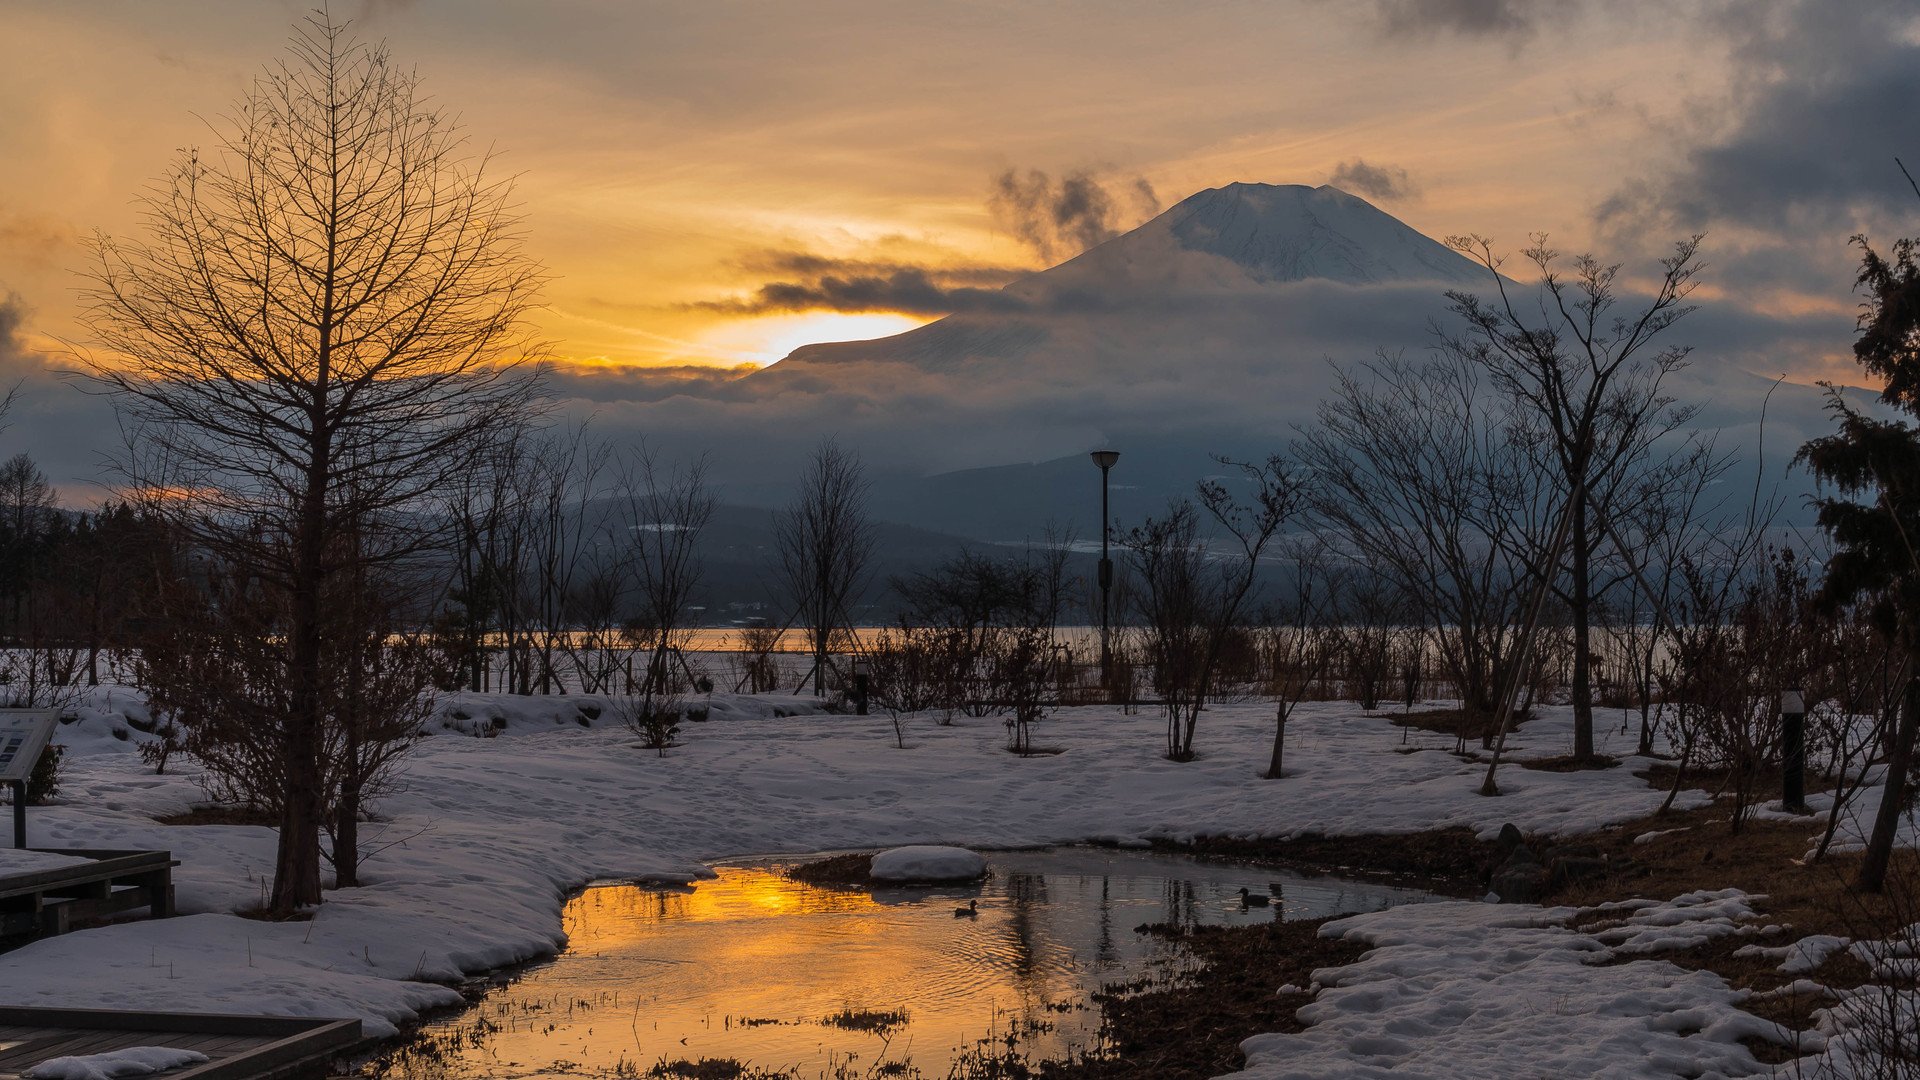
(750, 966)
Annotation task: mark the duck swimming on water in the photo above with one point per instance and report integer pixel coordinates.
(972, 910)
(1248, 899)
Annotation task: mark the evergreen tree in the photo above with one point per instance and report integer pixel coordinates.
(1871, 467)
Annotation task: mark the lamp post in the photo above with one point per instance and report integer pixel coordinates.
(1793, 751)
(1105, 459)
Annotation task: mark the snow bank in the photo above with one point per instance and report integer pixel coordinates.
(924, 862)
(133, 1061)
(1463, 990)
(494, 825)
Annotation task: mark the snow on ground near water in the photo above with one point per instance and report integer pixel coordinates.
(927, 862)
(487, 837)
(1457, 991)
(133, 1061)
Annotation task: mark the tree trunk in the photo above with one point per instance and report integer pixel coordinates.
(296, 872)
(1279, 742)
(346, 811)
(1581, 609)
(1886, 824)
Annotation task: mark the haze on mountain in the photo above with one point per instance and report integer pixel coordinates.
(1208, 330)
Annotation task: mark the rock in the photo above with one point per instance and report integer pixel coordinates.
(1509, 838)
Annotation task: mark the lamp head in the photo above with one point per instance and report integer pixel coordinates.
(1105, 458)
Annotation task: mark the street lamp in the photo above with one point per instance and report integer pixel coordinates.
(1105, 459)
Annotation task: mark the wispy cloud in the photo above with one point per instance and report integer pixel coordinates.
(1381, 182)
(822, 283)
(1059, 218)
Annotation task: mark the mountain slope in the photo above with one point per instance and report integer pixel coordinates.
(1289, 232)
(1220, 246)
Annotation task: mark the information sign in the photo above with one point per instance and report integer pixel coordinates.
(24, 734)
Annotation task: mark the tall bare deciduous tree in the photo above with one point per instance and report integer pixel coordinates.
(1590, 378)
(1428, 481)
(824, 543)
(323, 322)
(1192, 598)
(666, 510)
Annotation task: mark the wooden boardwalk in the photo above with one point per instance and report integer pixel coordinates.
(237, 1047)
(40, 903)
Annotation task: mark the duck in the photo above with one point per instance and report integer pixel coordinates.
(1248, 899)
(972, 910)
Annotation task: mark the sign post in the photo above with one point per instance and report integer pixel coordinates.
(24, 734)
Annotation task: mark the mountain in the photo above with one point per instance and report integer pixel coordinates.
(1211, 248)
(1282, 232)
(1214, 328)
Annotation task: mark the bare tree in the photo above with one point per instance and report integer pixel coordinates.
(1302, 634)
(381, 672)
(323, 324)
(824, 544)
(667, 508)
(1191, 599)
(1426, 481)
(561, 481)
(1590, 379)
(477, 508)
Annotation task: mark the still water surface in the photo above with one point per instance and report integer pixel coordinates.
(814, 982)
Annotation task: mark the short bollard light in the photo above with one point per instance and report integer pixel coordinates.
(1793, 751)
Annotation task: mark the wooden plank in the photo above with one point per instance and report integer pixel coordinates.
(39, 1050)
(121, 864)
(283, 1058)
(239, 1047)
(219, 1023)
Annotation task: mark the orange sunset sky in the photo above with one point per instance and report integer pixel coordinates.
(669, 153)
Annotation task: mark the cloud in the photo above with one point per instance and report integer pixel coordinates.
(65, 431)
(1061, 218)
(33, 240)
(1799, 152)
(1214, 365)
(374, 10)
(820, 283)
(1480, 18)
(1362, 177)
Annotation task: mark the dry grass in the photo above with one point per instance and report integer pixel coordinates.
(834, 872)
(1191, 1029)
(1456, 723)
(1766, 858)
(221, 814)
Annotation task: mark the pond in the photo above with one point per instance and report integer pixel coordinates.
(793, 980)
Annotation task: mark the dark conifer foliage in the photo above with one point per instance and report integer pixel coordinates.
(1871, 471)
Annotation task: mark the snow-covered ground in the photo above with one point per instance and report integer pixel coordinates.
(1483, 990)
(515, 802)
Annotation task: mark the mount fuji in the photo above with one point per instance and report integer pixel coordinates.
(1211, 329)
(1212, 249)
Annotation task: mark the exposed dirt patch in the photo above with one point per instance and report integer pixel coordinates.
(1696, 849)
(1450, 861)
(221, 814)
(1457, 723)
(834, 872)
(1566, 763)
(1193, 1029)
